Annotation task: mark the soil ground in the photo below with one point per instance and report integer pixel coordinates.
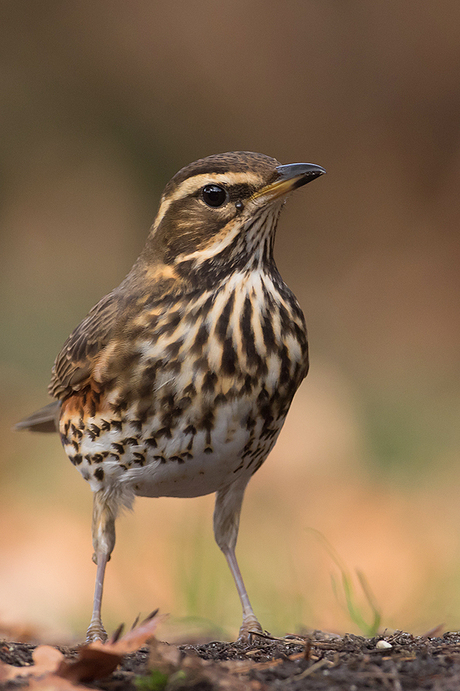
(317, 661)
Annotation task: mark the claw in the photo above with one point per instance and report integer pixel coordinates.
(249, 630)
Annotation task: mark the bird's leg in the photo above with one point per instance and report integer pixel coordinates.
(250, 623)
(104, 514)
(96, 630)
(226, 522)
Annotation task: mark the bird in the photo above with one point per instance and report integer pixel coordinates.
(177, 383)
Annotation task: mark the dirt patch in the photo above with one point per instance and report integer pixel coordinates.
(318, 661)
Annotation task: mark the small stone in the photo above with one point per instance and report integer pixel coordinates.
(383, 645)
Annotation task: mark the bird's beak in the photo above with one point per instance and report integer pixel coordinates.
(288, 178)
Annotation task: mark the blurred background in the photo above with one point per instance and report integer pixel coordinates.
(101, 103)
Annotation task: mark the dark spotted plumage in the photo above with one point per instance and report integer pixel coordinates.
(178, 382)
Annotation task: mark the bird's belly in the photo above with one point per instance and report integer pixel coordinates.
(189, 458)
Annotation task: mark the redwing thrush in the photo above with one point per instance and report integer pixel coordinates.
(178, 382)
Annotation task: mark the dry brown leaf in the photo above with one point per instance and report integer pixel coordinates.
(51, 682)
(134, 639)
(164, 657)
(46, 659)
(97, 660)
(90, 664)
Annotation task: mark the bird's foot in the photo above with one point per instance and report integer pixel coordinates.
(96, 632)
(249, 630)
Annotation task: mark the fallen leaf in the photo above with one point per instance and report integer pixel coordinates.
(46, 659)
(90, 664)
(97, 660)
(134, 639)
(164, 657)
(51, 682)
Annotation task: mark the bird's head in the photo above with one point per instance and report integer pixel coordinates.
(220, 213)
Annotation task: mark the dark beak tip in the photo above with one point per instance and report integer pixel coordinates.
(308, 171)
(321, 170)
(313, 174)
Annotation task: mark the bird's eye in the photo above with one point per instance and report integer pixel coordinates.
(214, 195)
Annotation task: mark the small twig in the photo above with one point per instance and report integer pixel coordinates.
(307, 651)
(265, 635)
(314, 668)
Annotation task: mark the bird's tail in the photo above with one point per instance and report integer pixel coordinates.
(43, 420)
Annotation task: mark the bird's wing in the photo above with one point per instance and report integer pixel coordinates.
(73, 366)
